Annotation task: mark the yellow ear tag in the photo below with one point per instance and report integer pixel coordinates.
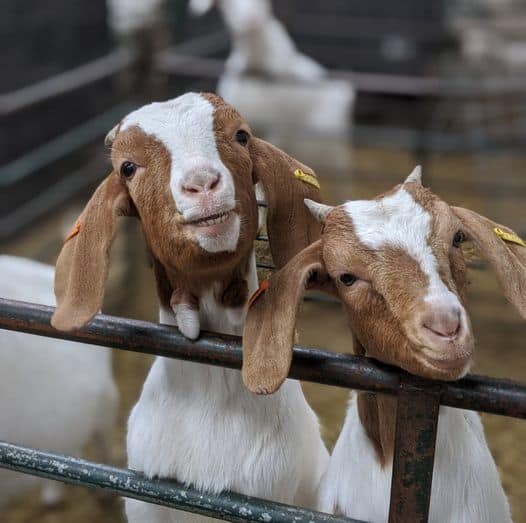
(508, 237)
(307, 178)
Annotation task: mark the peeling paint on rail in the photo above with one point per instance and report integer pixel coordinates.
(228, 506)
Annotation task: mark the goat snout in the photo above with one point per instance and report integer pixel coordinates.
(199, 182)
(444, 334)
(442, 322)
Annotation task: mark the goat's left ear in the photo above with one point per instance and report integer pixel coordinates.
(503, 250)
(286, 182)
(268, 335)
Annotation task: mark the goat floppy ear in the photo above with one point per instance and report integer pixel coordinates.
(503, 250)
(82, 266)
(286, 182)
(268, 336)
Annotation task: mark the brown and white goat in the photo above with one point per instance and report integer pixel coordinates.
(187, 168)
(396, 264)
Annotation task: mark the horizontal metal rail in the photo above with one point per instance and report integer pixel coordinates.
(496, 396)
(62, 83)
(173, 61)
(228, 506)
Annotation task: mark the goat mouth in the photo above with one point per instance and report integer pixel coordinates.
(211, 220)
(457, 366)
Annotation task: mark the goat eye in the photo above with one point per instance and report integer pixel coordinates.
(128, 169)
(348, 279)
(459, 238)
(242, 137)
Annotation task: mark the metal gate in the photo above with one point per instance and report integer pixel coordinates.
(416, 421)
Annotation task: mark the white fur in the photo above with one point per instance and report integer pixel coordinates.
(198, 424)
(185, 126)
(311, 121)
(187, 320)
(292, 103)
(54, 394)
(260, 42)
(127, 16)
(398, 220)
(466, 486)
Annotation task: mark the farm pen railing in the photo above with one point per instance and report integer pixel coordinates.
(416, 425)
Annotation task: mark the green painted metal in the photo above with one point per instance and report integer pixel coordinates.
(227, 506)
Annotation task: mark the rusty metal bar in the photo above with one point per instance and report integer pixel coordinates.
(480, 393)
(415, 437)
(227, 506)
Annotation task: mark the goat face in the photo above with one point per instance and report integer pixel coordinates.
(187, 169)
(191, 179)
(397, 265)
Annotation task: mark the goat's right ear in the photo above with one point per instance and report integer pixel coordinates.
(82, 266)
(268, 336)
(503, 250)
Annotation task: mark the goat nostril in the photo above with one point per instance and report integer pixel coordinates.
(197, 183)
(214, 184)
(192, 189)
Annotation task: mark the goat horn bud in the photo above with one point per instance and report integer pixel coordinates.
(110, 137)
(415, 176)
(318, 210)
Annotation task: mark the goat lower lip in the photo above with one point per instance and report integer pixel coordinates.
(448, 365)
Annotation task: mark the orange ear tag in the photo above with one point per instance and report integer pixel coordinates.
(307, 178)
(508, 237)
(263, 286)
(74, 231)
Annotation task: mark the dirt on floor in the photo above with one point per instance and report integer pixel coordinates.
(494, 186)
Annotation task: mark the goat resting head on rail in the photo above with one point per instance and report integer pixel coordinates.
(187, 168)
(396, 264)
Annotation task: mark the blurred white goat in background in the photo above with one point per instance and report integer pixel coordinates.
(55, 395)
(289, 97)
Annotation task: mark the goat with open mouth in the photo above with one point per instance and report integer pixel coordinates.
(189, 168)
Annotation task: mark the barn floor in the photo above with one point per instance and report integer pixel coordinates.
(494, 185)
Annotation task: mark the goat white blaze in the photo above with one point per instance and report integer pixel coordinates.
(399, 221)
(185, 126)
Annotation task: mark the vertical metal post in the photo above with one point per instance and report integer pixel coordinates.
(415, 436)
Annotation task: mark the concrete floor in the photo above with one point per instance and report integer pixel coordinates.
(493, 185)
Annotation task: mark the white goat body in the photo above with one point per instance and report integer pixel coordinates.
(218, 436)
(54, 394)
(311, 120)
(357, 485)
(128, 16)
(260, 42)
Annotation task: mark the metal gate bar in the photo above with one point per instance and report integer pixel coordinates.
(496, 396)
(418, 400)
(415, 453)
(228, 506)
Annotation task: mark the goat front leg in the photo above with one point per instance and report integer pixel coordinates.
(186, 309)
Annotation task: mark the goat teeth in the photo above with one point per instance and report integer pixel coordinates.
(212, 220)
